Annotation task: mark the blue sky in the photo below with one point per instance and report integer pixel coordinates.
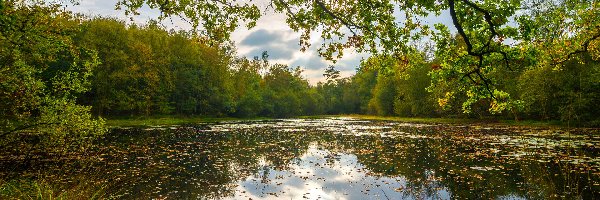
(271, 34)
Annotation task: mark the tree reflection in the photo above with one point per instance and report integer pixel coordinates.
(323, 158)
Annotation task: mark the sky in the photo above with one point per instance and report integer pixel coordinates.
(271, 34)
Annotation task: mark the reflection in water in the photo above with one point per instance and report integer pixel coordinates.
(338, 158)
(321, 174)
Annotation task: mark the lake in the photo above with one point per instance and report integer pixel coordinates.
(331, 158)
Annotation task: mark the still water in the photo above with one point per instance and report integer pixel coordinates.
(337, 158)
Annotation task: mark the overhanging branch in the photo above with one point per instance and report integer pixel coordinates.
(485, 51)
(584, 48)
(348, 24)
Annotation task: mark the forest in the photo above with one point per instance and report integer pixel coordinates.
(64, 71)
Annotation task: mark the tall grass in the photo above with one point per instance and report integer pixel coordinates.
(43, 189)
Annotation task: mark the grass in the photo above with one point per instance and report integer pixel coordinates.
(534, 123)
(166, 120)
(41, 189)
(414, 119)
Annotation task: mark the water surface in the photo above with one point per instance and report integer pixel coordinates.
(335, 158)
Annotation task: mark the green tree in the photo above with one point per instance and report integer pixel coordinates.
(569, 93)
(284, 90)
(384, 96)
(134, 77)
(108, 38)
(203, 82)
(42, 71)
(332, 91)
(412, 97)
(247, 87)
(147, 70)
(364, 81)
(544, 32)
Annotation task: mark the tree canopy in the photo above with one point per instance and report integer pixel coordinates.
(42, 71)
(493, 34)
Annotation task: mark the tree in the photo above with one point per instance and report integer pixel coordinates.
(331, 74)
(364, 81)
(384, 96)
(134, 76)
(412, 96)
(42, 71)
(284, 90)
(108, 38)
(247, 87)
(332, 91)
(569, 93)
(385, 27)
(203, 79)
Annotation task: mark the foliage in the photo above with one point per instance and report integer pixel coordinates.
(130, 77)
(217, 18)
(507, 58)
(364, 81)
(155, 72)
(42, 73)
(491, 35)
(30, 189)
(247, 87)
(203, 80)
(570, 93)
(412, 96)
(147, 70)
(284, 91)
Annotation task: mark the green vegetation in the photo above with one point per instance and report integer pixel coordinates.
(434, 120)
(147, 71)
(509, 61)
(42, 71)
(30, 189)
(495, 41)
(568, 95)
(61, 72)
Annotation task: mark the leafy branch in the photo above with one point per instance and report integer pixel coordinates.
(584, 48)
(485, 50)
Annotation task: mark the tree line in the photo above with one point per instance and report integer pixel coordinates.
(388, 87)
(147, 70)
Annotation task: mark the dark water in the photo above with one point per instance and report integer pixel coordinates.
(338, 158)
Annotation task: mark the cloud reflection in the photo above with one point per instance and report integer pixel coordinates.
(322, 174)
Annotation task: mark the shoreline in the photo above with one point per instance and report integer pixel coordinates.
(146, 121)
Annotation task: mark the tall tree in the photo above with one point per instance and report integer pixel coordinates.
(247, 87)
(284, 91)
(42, 71)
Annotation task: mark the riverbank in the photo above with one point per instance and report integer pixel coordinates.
(168, 120)
(182, 120)
(532, 123)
